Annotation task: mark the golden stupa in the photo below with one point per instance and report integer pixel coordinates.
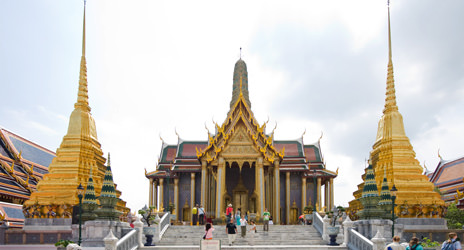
(78, 153)
(393, 154)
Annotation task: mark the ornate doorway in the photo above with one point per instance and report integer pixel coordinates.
(240, 196)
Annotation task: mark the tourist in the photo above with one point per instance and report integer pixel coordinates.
(229, 212)
(201, 214)
(252, 232)
(395, 245)
(231, 230)
(208, 231)
(195, 215)
(237, 217)
(301, 219)
(266, 216)
(452, 243)
(243, 224)
(414, 244)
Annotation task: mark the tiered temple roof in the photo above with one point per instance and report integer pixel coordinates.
(449, 178)
(22, 164)
(183, 156)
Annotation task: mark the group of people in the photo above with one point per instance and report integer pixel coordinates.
(238, 220)
(198, 215)
(452, 243)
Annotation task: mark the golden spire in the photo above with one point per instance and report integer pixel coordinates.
(78, 153)
(82, 95)
(390, 99)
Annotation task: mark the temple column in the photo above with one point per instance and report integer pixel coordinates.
(318, 191)
(287, 197)
(303, 193)
(276, 215)
(192, 193)
(331, 193)
(150, 193)
(161, 187)
(155, 196)
(266, 194)
(220, 187)
(326, 195)
(259, 187)
(203, 184)
(176, 197)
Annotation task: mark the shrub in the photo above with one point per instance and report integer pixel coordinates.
(63, 243)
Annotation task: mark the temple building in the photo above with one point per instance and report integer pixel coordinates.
(448, 177)
(78, 155)
(393, 157)
(22, 164)
(242, 165)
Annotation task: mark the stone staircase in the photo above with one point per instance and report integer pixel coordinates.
(278, 237)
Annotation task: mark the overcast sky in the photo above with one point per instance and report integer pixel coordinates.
(154, 66)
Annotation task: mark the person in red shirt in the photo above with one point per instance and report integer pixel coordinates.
(229, 212)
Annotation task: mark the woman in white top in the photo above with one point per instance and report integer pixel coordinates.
(243, 224)
(252, 232)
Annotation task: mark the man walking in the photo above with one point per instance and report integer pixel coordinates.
(201, 214)
(195, 215)
(231, 230)
(395, 245)
(266, 216)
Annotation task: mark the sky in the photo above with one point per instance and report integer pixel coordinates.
(159, 66)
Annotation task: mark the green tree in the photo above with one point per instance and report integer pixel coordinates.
(454, 217)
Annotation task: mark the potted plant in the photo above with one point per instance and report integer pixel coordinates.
(428, 244)
(308, 210)
(62, 244)
(148, 216)
(332, 229)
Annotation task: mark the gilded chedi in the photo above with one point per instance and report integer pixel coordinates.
(78, 153)
(393, 154)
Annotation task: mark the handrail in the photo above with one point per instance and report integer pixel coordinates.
(317, 222)
(164, 224)
(357, 241)
(128, 242)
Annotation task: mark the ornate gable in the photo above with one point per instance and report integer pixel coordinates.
(240, 135)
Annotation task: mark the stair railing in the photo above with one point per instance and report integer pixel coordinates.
(164, 224)
(357, 241)
(317, 222)
(128, 242)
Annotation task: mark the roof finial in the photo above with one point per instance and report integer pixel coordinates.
(82, 94)
(109, 160)
(83, 36)
(240, 52)
(390, 99)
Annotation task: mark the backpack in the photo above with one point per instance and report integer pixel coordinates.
(449, 246)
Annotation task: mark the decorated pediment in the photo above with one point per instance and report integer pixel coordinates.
(240, 134)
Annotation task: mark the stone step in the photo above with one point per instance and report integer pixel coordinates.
(256, 247)
(278, 235)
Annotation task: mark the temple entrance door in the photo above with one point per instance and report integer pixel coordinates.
(240, 200)
(240, 196)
